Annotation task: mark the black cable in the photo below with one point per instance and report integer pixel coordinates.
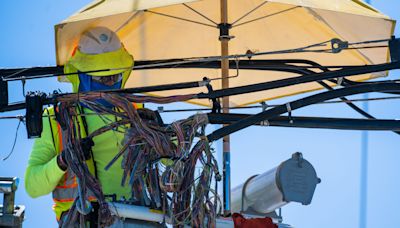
(344, 99)
(86, 128)
(15, 140)
(351, 105)
(273, 112)
(299, 80)
(312, 122)
(242, 89)
(43, 72)
(348, 82)
(237, 108)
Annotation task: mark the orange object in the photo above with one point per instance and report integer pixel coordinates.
(242, 222)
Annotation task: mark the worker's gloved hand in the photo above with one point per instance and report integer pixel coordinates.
(61, 162)
(86, 145)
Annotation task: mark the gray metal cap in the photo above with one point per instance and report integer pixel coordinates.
(296, 179)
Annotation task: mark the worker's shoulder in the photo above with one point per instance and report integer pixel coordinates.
(49, 114)
(48, 109)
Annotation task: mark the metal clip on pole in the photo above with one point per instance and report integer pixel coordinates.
(216, 106)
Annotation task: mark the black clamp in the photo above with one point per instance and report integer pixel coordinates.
(216, 105)
(34, 113)
(86, 145)
(338, 45)
(224, 31)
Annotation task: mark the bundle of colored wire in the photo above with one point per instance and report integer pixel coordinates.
(159, 162)
(74, 157)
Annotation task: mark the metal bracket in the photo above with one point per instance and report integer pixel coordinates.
(224, 31)
(289, 110)
(216, 105)
(338, 45)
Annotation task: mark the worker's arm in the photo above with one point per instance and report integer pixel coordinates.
(43, 173)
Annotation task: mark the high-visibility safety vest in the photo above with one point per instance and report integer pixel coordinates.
(66, 190)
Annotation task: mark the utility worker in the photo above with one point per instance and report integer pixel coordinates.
(99, 48)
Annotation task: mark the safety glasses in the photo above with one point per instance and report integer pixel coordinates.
(108, 80)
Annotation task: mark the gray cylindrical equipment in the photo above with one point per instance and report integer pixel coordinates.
(294, 180)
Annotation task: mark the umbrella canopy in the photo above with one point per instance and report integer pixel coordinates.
(181, 29)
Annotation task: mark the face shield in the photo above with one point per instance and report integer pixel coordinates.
(120, 61)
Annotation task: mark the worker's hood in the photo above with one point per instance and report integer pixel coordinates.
(119, 61)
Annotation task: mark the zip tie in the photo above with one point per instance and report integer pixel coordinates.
(264, 106)
(339, 81)
(289, 109)
(204, 82)
(265, 123)
(160, 109)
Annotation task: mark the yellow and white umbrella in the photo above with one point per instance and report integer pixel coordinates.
(167, 29)
(155, 29)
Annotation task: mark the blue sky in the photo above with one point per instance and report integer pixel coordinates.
(27, 39)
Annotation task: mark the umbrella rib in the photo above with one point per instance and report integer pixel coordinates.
(248, 13)
(180, 18)
(202, 15)
(127, 21)
(269, 15)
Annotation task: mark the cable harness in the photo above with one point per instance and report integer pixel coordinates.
(160, 162)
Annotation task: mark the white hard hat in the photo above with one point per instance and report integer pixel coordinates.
(99, 40)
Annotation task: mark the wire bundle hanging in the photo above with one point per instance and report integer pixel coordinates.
(75, 159)
(159, 162)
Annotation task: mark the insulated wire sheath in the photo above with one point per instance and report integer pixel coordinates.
(273, 112)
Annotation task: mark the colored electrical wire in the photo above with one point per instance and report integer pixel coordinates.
(157, 160)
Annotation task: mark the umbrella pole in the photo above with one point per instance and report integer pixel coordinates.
(224, 39)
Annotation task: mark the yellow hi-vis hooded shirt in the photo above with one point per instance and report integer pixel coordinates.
(43, 174)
